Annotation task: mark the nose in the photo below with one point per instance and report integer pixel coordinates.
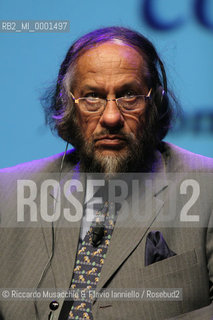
(112, 117)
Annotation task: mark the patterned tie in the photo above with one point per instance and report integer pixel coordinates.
(89, 262)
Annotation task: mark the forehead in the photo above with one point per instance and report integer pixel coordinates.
(110, 61)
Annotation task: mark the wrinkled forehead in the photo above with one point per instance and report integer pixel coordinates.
(111, 57)
(111, 51)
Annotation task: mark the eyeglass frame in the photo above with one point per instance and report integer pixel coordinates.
(146, 97)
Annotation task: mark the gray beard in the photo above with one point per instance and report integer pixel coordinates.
(110, 164)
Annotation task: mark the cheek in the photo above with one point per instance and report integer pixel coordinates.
(86, 124)
(135, 124)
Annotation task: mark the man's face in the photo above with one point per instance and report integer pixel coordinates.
(110, 70)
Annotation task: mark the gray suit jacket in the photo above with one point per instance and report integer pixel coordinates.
(26, 248)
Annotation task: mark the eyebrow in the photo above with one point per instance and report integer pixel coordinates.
(131, 85)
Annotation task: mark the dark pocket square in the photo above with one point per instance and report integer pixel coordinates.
(156, 248)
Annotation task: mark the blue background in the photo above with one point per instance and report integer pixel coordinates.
(29, 63)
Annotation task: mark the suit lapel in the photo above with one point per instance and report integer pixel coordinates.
(125, 238)
(66, 233)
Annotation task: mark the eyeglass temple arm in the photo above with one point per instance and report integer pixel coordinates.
(76, 100)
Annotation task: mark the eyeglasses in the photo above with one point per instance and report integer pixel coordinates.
(125, 104)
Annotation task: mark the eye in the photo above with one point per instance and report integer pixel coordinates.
(129, 93)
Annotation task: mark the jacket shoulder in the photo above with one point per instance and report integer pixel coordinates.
(181, 160)
(49, 164)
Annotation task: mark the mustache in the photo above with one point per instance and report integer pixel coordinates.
(120, 133)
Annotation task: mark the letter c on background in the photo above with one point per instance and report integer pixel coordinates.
(147, 8)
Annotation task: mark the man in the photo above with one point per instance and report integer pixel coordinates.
(111, 103)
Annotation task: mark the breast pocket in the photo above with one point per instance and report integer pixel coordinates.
(171, 265)
(175, 269)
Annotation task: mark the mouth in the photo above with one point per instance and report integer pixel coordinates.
(110, 141)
